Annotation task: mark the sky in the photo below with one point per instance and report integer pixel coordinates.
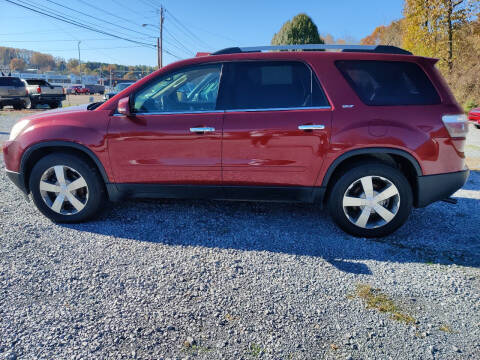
(190, 25)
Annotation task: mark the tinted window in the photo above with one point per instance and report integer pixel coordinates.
(36, 82)
(389, 83)
(192, 89)
(270, 85)
(122, 86)
(11, 81)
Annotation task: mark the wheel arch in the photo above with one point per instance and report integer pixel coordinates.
(406, 162)
(39, 150)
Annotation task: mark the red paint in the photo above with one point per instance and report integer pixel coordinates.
(474, 116)
(256, 148)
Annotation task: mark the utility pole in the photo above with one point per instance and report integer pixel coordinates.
(79, 62)
(160, 39)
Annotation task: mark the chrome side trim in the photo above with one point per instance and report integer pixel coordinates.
(175, 112)
(232, 110)
(12, 172)
(282, 109)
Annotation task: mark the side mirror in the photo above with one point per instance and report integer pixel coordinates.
(123, 106)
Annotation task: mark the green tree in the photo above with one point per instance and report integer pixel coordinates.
(300, 30)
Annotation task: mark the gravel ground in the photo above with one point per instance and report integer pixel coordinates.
(234, 280)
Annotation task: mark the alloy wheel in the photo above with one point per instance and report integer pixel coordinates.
(371, 202)
(63, 190)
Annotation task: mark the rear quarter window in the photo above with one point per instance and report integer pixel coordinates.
(389, 83)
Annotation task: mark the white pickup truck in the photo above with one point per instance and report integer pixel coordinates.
(41, 92)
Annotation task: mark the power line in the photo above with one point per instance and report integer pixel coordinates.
(96, 18)
(180, 43)
(187, 30)
(42, 7)
(129, 21)
(78, 24)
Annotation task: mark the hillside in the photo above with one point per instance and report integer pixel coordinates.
(21, 59)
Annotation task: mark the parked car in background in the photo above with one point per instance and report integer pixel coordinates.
(13, 92)
(78, 90)
(369, 132)
(474, 117)
(116, 90)
(43, 93)
(95, 89)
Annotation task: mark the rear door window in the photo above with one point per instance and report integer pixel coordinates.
(270, 85)
(389, 83)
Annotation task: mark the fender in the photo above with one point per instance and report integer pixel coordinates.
(369, 151)
(66, 144)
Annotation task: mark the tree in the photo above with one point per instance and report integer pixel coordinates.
(42, 61)
(386, 35)
(72, 65)
(433, 27)
(17, 64)
(300, 30)
(130, 76)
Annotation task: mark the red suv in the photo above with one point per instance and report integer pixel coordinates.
(368, 131)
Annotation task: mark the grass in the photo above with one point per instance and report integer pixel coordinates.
(375, 299)
(445, 328)
(255, 350)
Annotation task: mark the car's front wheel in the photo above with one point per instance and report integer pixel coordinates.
(371, 199)
(66, 188)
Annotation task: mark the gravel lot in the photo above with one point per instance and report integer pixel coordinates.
(234, 280)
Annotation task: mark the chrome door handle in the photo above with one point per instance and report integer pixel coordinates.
(202, 129)
(311, 127)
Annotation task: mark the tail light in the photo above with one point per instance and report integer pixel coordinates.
(457, 125)
(39, 90)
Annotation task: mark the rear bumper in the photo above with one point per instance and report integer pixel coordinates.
(12, 100)
(18, 180)
(433, 188)
(47, 98)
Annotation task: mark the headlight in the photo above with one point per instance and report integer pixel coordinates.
(18, 128)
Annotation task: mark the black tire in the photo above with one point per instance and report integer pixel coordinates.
(477, 126)
(95, 200)
(18, 106)
(31, 105)
(53, 105)
(381, 173)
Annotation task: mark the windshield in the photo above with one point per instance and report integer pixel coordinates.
(122, 86)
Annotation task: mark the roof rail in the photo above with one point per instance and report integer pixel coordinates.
(384, 49)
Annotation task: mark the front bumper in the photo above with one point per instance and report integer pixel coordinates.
(18, 180)
(433, 188)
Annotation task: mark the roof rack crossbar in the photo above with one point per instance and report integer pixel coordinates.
(346, 48)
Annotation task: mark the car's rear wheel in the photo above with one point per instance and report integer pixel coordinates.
(371, 199)
(477, 126)
(66, 188)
